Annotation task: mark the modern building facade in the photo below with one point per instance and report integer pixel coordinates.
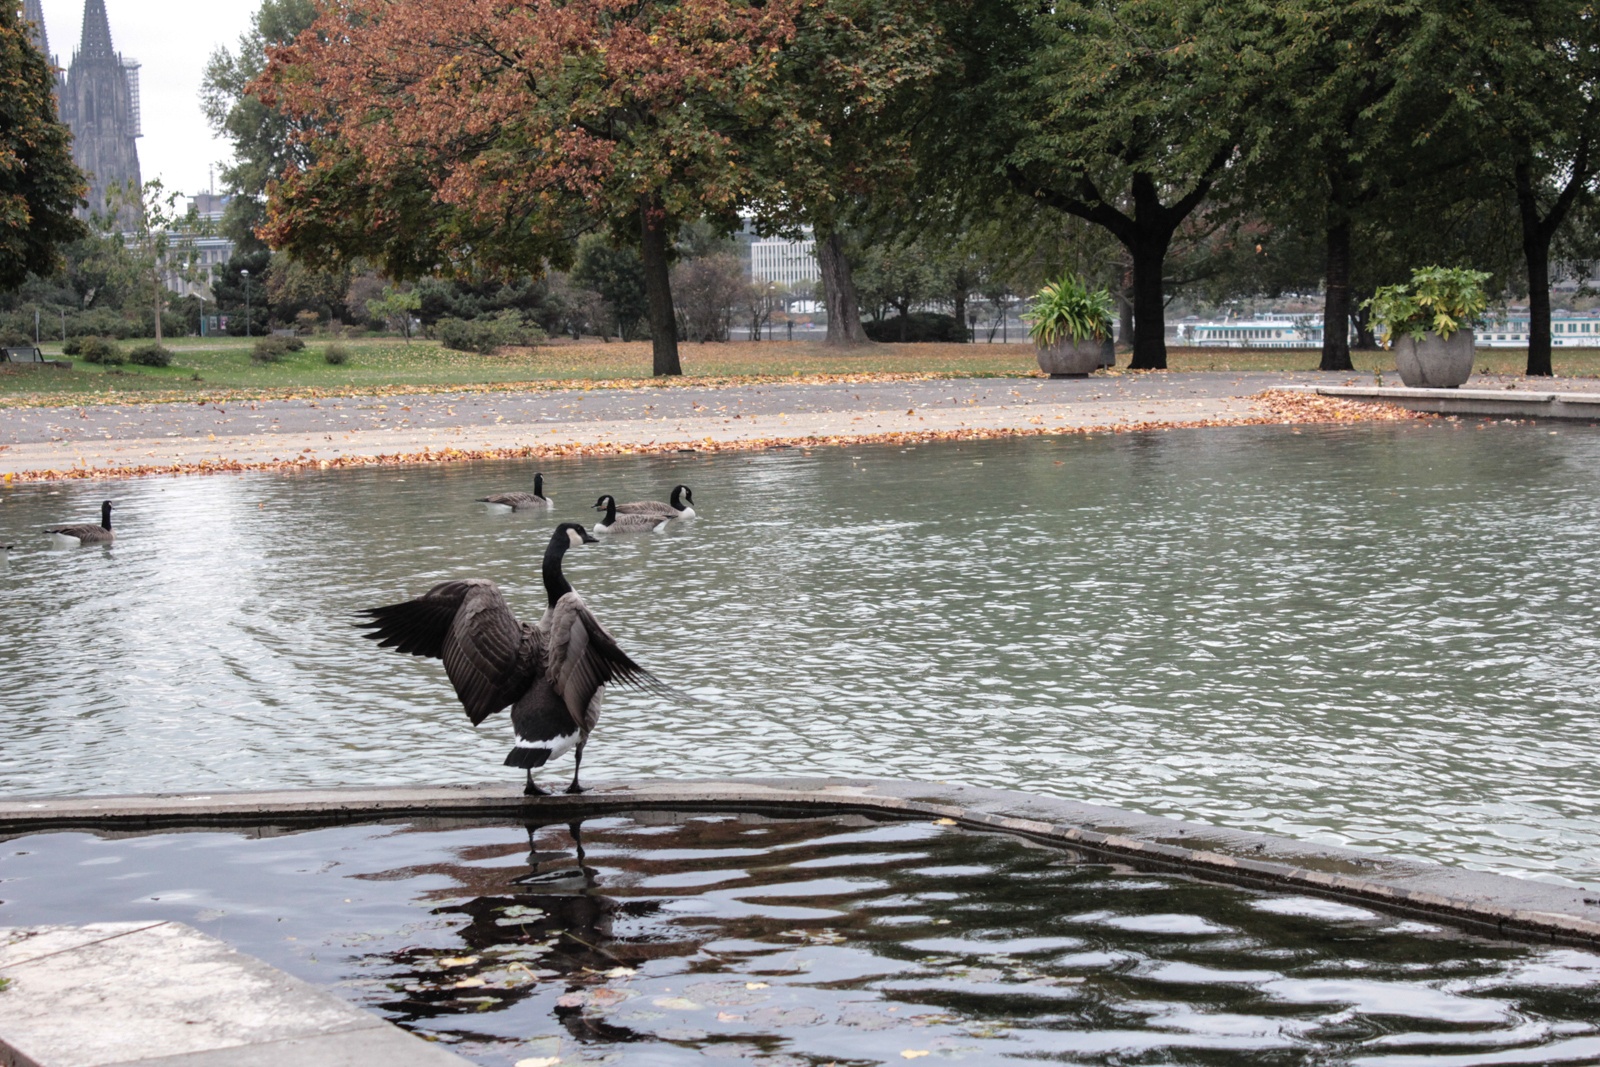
(99, 100)
(773, 259)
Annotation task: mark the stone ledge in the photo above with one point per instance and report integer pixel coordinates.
(163, 993)
(1493, 403)
(1497, 903)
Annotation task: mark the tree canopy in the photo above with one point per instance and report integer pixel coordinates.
(40, 186)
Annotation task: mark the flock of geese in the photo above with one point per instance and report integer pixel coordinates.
(551, 673)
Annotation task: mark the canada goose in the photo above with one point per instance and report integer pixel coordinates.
(614, 523)
(86, 534)
(682, 506)
(552, 674)
(522, 501)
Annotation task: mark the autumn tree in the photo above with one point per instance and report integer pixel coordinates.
(505, 129)
(39, 184)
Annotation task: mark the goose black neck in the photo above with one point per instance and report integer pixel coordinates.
(538, 485)
(677, 498)
(611, 510)
(556, 585)
(105, 515)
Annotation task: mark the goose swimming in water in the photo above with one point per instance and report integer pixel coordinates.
(522, 501)
(628, 523)
(87, 534)
(682, 506)
(551, 674)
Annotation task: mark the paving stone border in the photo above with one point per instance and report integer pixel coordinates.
(1515, 907)
(1509, 403)
(162, 994)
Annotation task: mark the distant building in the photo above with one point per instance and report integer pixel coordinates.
(773, 259)
(209, 250)
(99, 102)
(1567, 329)
(1266, 331)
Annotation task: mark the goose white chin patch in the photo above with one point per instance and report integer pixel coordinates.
(575, 539)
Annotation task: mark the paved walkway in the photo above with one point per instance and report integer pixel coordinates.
(146, 435)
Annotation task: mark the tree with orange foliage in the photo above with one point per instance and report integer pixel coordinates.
(471, 135)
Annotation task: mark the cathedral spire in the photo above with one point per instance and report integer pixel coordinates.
(96, 43)
(32, 12)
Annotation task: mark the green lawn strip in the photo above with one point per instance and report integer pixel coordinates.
(210, 367)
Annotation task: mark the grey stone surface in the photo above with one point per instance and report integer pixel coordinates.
(1510, 906)
(1510, 403)
(120, 993)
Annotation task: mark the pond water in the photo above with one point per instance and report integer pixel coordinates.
(797, 943)
(1379, 636)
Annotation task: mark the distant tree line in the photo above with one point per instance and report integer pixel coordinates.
(579, 167)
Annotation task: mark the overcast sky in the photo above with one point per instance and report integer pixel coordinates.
(172, 39)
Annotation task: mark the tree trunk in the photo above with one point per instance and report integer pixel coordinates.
(1149, 303)
(658, 288)
(839, 293)
(961, 315)
(1536, 249)
(1336, 301)
(1125, 310)
(1366, 339)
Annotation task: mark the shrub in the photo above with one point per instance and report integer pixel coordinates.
(485, 335)
(1068, 310)
(274, 349)
(150, 356)
(337, 355)
(12, 339)
(1441, 299)
(73, 347)
(920, 326)
(99, 350)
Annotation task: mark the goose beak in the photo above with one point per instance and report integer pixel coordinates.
(590, 539)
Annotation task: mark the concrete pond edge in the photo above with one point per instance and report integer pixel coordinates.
(1486, 903)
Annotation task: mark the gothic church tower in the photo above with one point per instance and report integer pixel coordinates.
(100, 104)
(32, 12)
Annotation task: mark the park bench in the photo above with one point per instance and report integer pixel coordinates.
(31, 354)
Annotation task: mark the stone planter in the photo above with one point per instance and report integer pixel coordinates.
(1433, 362)
(1073, 359)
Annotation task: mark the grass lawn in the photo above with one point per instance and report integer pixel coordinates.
(208, 367)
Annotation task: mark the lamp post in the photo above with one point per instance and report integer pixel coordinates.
(246, 272)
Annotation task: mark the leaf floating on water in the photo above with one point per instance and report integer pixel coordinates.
(470, 983)
(539, 1061)
(458, 961)
(944, 822)
(676, 1003)
(729, 1017)
(915, 1053)
(757, 985)
(621, 972)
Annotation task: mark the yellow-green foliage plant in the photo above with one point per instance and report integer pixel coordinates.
(1069, 310)
(1441, 299)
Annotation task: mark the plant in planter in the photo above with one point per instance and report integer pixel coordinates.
(1071, 326)
(1429, 322)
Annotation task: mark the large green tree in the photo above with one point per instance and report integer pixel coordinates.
(39, 184)
(1527, 91)
(261, 135)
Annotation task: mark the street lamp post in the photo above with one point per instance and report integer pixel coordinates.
(246, 272)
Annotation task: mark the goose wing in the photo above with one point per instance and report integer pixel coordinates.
(647, 507)
(490, 657)
(581, 656)
(86, 532)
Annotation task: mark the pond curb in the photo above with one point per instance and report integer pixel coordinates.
(1486, 403)
(1513, 907)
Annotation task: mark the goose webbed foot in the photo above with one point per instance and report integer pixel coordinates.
(575, 787)
(531, 789)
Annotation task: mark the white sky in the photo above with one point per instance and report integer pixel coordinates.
(172, 39)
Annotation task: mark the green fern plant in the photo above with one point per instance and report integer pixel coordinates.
(1441, 299)
(1069, 309)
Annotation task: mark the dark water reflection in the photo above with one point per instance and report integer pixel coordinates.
(674, 939)
(1376, 636)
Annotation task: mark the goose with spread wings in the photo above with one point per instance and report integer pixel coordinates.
(551, 673)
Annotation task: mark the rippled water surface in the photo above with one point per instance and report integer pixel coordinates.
(1382, 636)
(798, 943)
